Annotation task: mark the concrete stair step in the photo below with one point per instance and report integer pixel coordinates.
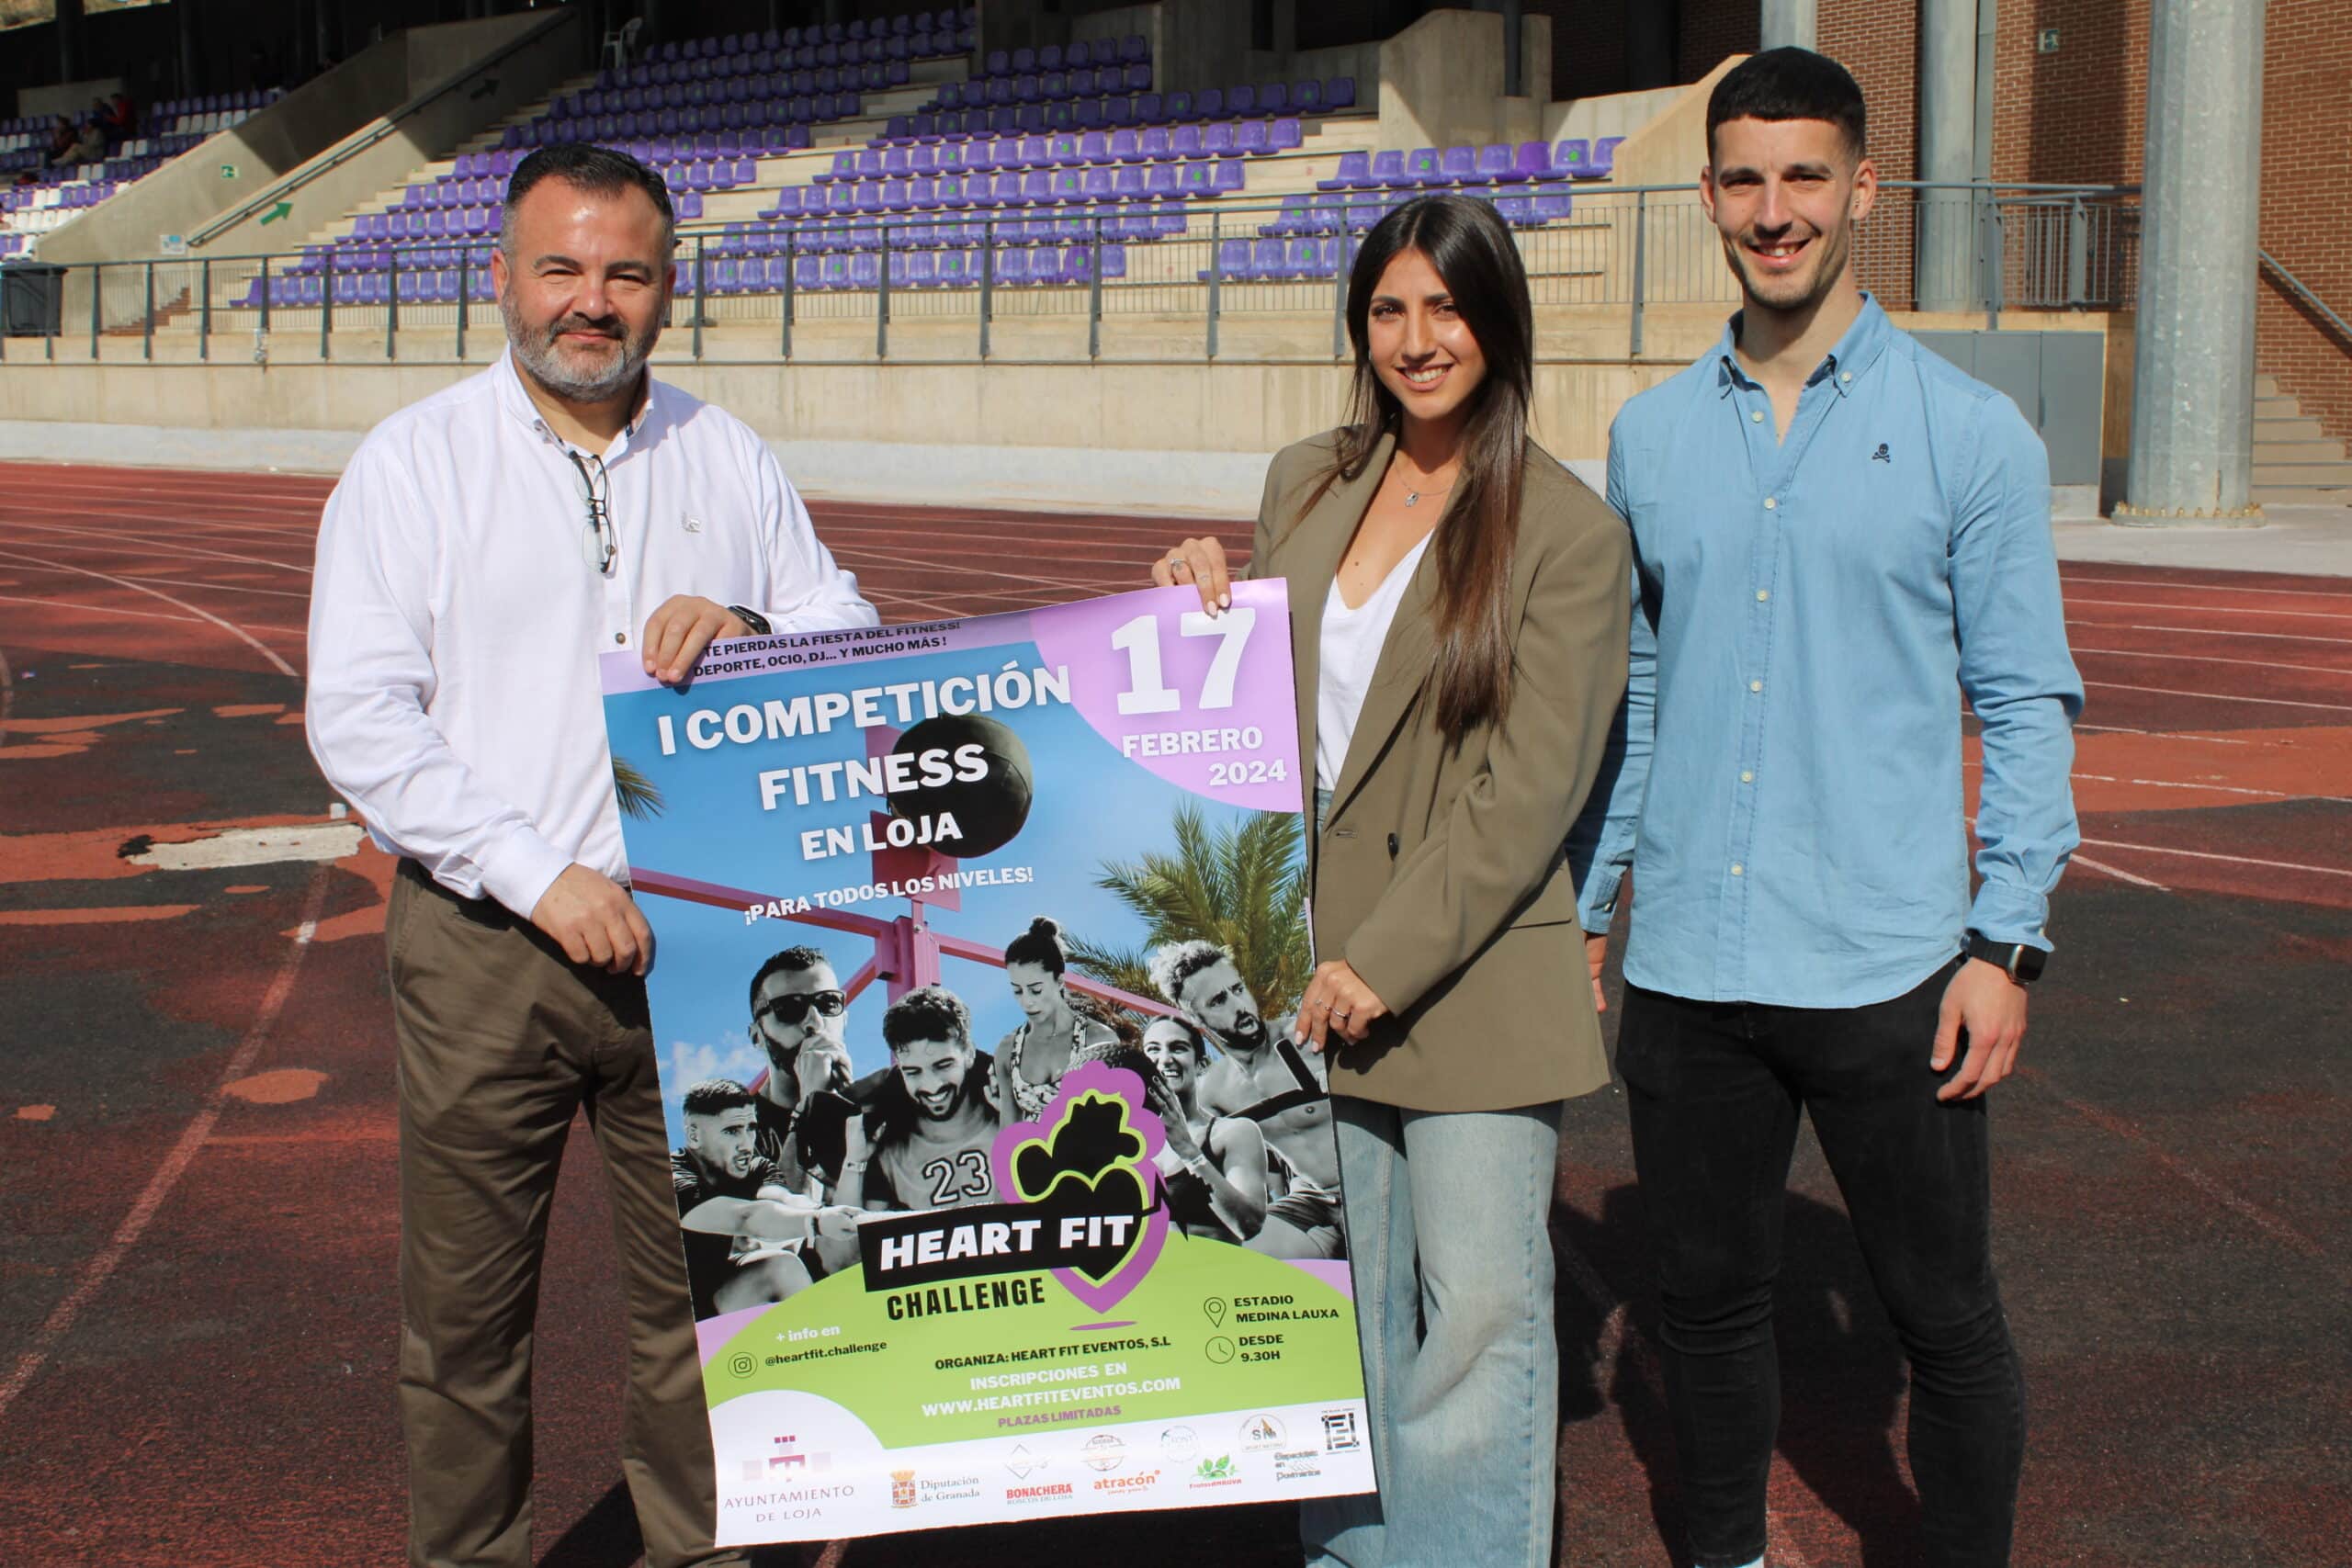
(2301, 495)
(2276, 428)
(2276, 408)
(2266, 387)
(2337, 473)
(2320, 451)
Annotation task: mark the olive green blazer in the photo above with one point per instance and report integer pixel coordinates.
(1439, 873)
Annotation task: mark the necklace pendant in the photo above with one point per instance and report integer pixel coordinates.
(1412, 496)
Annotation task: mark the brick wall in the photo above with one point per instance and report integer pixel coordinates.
(2079, 113)
(2306, 190)
(1707, 30)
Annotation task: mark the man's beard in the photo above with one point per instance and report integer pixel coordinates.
(536, 347)
(1248, 1031)
(1829, 263)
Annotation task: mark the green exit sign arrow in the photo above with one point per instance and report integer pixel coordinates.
(274, 213)
(228, 171)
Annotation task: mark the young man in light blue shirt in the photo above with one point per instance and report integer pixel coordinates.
(1835, 534)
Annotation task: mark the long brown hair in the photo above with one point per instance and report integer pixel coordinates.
(1472, 252)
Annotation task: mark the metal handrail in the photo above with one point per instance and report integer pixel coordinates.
(2303, 291)
(361, 141)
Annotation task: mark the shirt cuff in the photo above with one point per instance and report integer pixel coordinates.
(2005, 912)
(1597, 899)
(519, 869)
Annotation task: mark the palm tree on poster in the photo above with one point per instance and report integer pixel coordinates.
(1242, 886)
(637, 795)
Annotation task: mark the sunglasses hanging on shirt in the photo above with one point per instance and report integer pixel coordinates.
(598, 542)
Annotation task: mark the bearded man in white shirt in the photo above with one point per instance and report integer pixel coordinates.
(483, 547)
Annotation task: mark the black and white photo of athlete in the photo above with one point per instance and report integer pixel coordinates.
(739, 1217)
(1213, 1169)
(1056, 1031)
(933, 1135)
(1263, 1078)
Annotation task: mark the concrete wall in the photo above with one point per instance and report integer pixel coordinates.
(1608, 114)
(1441, 82)
(1671, 147)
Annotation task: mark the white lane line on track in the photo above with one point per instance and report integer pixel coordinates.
(265, 517)
(300, 540)
(2161, 733)
(2262, 1219)
(99, 539)
(2219, 696)
(2199, 587)
(2213, 658)
(2210, 631)
(2119, 875)
(2225, 860)
(240, 633)
(2221, 609)
(7, 695)
(99, 609)
(102, 1265)
(203, 587)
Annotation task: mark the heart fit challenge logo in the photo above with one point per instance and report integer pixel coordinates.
(1087, 1208)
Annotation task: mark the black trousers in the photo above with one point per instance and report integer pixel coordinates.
(1715, 1089)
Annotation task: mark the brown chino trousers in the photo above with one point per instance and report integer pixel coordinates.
(500, 1041)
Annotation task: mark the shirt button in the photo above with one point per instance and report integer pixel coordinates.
(1738, 869)
(620, 636)
(1762, 594)
(1756, 685)
(1844, 375)
(1756, 416)
(1770, 503)
(1747, 777)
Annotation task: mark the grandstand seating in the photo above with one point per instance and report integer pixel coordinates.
(172, 128)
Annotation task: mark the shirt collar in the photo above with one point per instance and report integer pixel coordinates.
(1863, 341)
(517, 401)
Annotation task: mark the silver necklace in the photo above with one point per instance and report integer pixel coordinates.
(1413, 496)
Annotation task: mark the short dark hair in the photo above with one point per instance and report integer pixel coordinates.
(716, 1097)
(1177, 962)
(931, 1013)
(791, 961)
(1789, 83)
(599, 170)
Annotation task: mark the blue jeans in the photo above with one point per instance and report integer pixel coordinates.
(1448, 1226)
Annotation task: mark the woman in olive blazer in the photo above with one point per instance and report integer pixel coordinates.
(1452, 999)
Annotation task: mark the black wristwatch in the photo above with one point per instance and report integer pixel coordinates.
(2017, 959)
(752, 618)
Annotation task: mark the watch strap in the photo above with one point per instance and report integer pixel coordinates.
(2021, 961)
(752, 618)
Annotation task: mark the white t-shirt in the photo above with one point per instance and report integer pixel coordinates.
(1351, 651)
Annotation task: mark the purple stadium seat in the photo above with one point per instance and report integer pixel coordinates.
(1126, 147)
(1253, 136)
(1604, 153)
(1184, 142)
(1087, 114)
(1164, 180)
(1287, 135)
(1456, 165)
(1065, 150)
(1572, 158)
(1178, 107)
(1134, 50)
(1128, 182)
(1217, 140)
(1094, 147)
(1239, 100)
(1055, 84)
(1209, 104)
(1229, 176)
(1339, 92)
(1420, 167)
(894, 162)
(1552, 202)
(1197, 179)
(1150, 109)
(896, 196)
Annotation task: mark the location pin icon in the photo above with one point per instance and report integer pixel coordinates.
(1215, 1308)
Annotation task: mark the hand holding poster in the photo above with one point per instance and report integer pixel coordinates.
(1002, 1187)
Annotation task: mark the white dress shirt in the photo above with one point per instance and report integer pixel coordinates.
(455, 621)
(1349, 654)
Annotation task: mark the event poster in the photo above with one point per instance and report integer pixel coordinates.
(1003, 1191)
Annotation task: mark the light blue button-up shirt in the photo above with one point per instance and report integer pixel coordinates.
(1785, 782)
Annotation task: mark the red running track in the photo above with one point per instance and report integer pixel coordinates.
(196, 1135)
